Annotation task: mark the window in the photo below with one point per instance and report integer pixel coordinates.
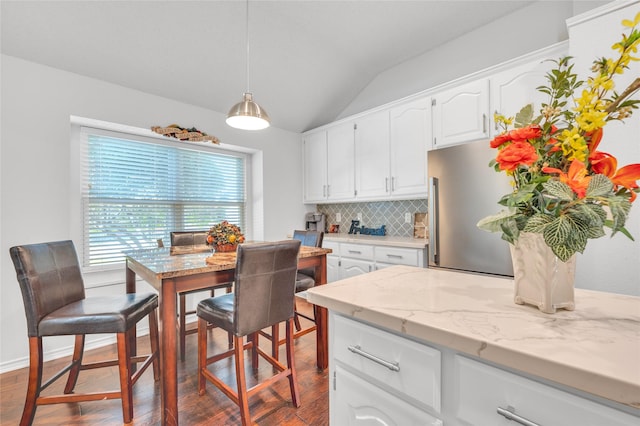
(136, 190)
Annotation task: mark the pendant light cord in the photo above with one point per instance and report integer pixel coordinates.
(247, 30)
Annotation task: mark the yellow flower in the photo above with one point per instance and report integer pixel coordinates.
(574, 147)
(630, 24)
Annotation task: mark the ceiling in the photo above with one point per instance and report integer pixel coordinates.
(308, 60)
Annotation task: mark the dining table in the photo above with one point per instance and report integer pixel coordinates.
(173, 270)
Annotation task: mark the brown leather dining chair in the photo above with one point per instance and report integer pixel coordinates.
(265, 279)
(55, 304)
(305, 279)
(191, 238)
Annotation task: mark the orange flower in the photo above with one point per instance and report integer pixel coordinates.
(627, 177)
(516, 154)
(603, 163)
(594, 139)
(517, 135)
(576, 177)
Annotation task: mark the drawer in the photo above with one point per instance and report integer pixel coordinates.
(355, 401)
(356, 251)
(333, 246)
(483, 388)
(397, 256)
(407, 368)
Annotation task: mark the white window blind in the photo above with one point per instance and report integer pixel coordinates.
(136, 190)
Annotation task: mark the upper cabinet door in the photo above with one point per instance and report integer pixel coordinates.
(410, 140)
(315, 167)
(372, 156)
(514, 88)
(461, 114)
(340, 162)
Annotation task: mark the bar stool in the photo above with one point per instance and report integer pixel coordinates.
(263, 296)
(55, 304)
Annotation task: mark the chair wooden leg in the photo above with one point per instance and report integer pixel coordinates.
(35, 381)
(243, 398)
(296, 319)
(124, 367)
(253, 338)
(202, 355)
(155, 344)
(275, 340)
(183, 325)
(293, 381)
(76, 363)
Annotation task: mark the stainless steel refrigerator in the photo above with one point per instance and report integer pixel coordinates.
(462, 190)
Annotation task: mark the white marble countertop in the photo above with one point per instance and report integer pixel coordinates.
(407, 242)
(595, 348)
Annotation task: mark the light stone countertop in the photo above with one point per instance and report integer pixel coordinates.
(406, 242)
(595, 348)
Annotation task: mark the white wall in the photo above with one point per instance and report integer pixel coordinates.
(37, 103)
(535, 27)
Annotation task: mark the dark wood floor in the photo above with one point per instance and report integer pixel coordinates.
(270, 407)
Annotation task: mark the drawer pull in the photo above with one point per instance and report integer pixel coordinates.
(509, 414)
(396, 256)
(355, 251)
(393, 366)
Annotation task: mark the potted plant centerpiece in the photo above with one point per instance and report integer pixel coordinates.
(566, 191)
(225, 237)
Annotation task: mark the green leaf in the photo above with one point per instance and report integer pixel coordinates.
(563, 252)
(559, 190)
(494, 223)
(619, 207)
(537, 223)
(524, 116)
(599, 186)
(557, 231)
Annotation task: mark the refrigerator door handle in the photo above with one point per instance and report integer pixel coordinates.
(434, 257)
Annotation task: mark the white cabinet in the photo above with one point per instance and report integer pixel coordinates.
(351, 259)
(395, 380)
(381, 378)
(340, 157)
(484, 390)
(410, 129)
(515, 87)
(372, 156)
(315, 166)
(460, 114)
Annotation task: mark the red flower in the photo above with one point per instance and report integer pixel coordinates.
(516, 154)
(517, 135)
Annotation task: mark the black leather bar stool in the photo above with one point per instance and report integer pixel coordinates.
(55, 304)
(263, 296)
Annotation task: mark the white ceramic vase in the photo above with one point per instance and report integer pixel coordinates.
(541, 279)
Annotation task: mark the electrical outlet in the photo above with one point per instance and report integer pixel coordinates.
(407, 218)
(338, 217)
(359, 216)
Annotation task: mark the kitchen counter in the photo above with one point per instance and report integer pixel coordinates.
(406, 242)
(595, 349)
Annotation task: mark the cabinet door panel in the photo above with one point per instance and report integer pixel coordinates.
(460, 114)
(358, 403)
(315, 166)
(410, 141)
(353, 267)
(333, 267)
(340, 162)
(372, 156)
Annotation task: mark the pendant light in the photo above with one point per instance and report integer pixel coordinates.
(248, 115)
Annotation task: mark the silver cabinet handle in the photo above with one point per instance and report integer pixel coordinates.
(393, 183)
(510, 414)
(355, 251)
(328, 187)
(386, 184)
(396, 256)
(324, 190)
(495, 125)
(393, 366)
(484, 123)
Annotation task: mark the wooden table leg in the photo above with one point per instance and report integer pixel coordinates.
(130, 285)
(322, 323)
(168, 355)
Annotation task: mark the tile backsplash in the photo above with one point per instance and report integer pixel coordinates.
(375, 214)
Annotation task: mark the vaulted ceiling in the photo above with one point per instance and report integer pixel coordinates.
(308, 59)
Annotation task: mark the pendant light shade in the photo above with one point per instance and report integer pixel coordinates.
(248, 115)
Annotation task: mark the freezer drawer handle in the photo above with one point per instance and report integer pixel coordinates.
(396, 256)
(393, 366)
(509, 414)
(355, 251)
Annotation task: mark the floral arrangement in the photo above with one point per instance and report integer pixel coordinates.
(190, 134)
(564, 187)
(225, 233)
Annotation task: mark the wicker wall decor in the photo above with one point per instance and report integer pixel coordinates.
(190, 134)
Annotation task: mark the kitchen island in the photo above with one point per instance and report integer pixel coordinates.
(454, 347)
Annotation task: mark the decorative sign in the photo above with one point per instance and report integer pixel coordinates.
(190, 134)
(366, 231)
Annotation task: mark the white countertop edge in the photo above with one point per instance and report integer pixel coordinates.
(618, 388)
